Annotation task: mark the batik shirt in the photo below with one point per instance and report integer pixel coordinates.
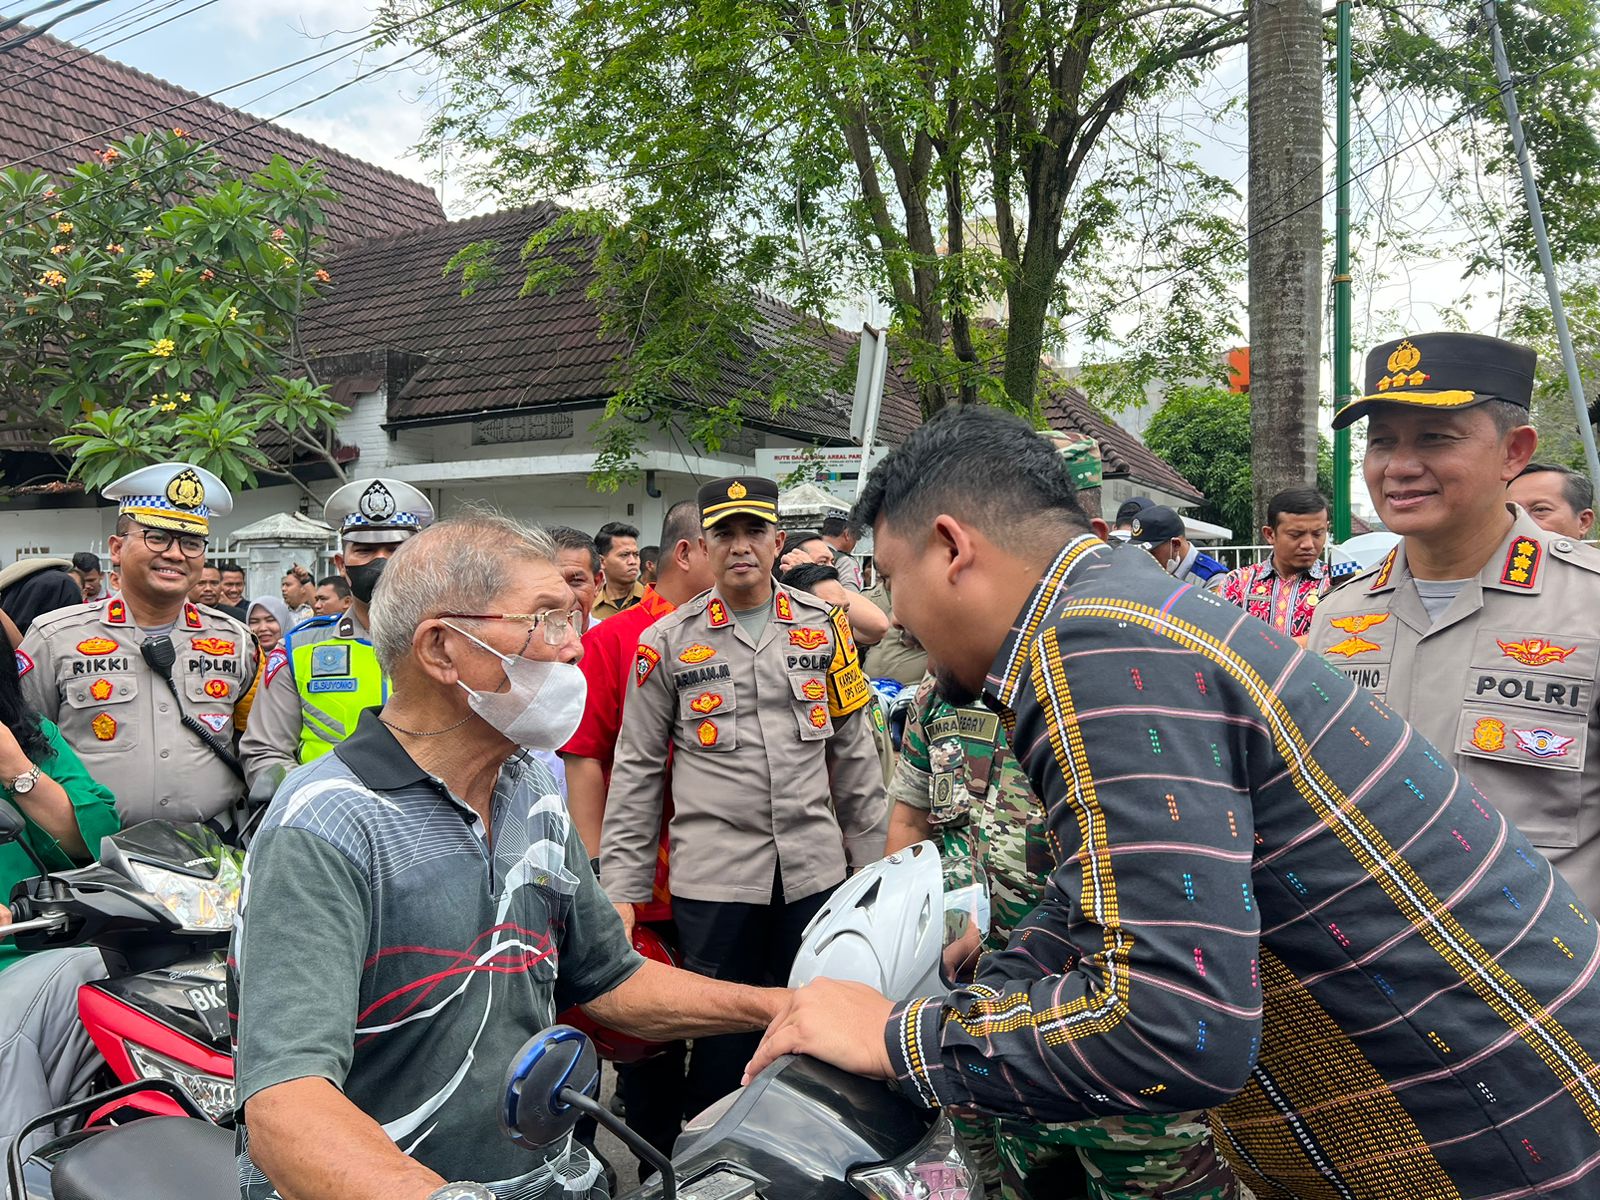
(1273, 899)
(386, 944)
(1287, 604)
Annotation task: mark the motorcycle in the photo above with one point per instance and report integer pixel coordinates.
(159, 905)
(801, 1130)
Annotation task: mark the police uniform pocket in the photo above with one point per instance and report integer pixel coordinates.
(810, 691)
(707, 715)
(103, 717)
(1530, 764)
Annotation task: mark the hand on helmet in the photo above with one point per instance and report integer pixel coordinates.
(840, 1023)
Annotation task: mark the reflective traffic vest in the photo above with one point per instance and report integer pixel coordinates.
(337, 677)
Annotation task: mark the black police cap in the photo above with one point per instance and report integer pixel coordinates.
(1445, 372)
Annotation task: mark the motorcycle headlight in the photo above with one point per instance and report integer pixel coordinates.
(213, 1092)
(938, 1169)
(199, 905)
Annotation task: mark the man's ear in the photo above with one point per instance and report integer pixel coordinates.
(779, 538)
(1267, 535)
(431, 654)
(954, 542)
(1521, 443)
(1101, 529)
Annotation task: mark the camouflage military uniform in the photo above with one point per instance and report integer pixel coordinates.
(956, 765)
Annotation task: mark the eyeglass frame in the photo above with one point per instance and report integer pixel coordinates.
(535, 621)
(146, 531)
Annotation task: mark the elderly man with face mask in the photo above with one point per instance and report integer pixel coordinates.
(1269, 896)
(452, 903)
(321, 676)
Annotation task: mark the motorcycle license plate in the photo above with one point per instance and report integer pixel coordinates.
(211, 1003)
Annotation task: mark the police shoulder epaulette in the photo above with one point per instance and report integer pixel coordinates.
(306, 626)
(1578, 554)
(45, 620)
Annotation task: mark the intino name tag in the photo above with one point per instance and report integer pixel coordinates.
(330, 685)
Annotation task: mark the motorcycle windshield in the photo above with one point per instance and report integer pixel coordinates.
(966, 919)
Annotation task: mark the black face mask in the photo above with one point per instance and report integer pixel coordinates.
(364, 578)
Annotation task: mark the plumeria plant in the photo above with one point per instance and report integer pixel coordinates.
(151, 308)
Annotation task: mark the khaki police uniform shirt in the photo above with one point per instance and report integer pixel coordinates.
(1505, 682)
(763, 777)
(81, 667)
(271, 741)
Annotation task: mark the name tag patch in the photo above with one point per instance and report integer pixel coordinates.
(331, 685)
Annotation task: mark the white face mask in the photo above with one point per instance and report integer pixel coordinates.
(542, 708)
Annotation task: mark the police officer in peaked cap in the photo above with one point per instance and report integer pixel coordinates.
(1480, 628)
(324, 672)
(147, 687)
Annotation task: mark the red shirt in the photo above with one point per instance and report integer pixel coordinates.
(607, 665)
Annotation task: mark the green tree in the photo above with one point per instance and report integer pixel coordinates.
(961, 158)
(1204, 433)
(151, 307)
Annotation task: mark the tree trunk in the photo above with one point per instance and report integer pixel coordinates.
(1285, 230)
(1028, 304)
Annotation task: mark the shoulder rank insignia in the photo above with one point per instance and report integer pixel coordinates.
(706, 732)
(217, 689)
(1359, 623)
(24, 664)
(1381, 580)
(1522, 563)
(807, 639)
(696, 653)
(783, 607)
(100, 689)
(116, 613)
(717, 613)
(191, 617)
(1535, 652)
(645, 660)
(705, 703)
(96, 645)
(104, 726)
(213, 645)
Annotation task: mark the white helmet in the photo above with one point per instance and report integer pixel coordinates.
(886, 926)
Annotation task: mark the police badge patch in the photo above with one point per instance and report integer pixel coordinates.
(330, 660)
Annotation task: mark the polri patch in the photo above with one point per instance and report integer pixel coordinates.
(645, 660)
(104, 726)
(331, 659)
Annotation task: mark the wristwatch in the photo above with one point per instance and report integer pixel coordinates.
(464, 1190)
(23, 784)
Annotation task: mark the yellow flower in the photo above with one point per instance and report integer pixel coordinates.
(168, 407)
(233, 314)
(64, 227)
(143, 276)
(60, 248)
(184, 397)
(52, 279)
(113, 247)
(163, 348)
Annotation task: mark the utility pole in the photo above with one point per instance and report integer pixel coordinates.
(1342, 349)
(1286, 50)
(1530, 190)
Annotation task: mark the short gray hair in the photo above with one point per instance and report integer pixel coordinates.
(456, 565)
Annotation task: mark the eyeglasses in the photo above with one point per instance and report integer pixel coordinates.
(160, 540)
(554, 622)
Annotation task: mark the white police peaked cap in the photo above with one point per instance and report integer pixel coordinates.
(377, 510)
(176, 496)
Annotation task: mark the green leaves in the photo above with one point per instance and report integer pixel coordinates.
(145, 297)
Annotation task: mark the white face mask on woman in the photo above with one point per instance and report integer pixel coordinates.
(542, 708)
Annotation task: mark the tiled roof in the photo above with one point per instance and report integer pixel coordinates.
(53, 94)
(497, 349)
(1121, 453)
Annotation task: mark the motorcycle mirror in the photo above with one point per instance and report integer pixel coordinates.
(11, 824)
(559, 1059)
